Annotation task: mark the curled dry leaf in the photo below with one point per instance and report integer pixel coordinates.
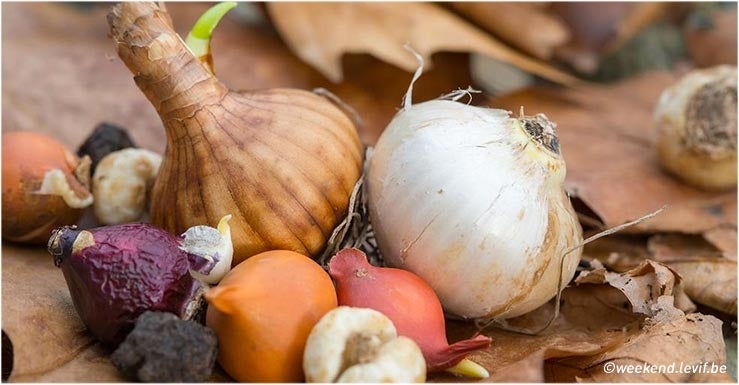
(320, 33)
(642, 286)
(708, 278)
(669, 338)
(606, 135)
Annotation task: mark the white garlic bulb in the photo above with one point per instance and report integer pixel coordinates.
(473, 201)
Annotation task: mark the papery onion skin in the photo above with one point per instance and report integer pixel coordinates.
(696, 121)
(282, 161)
(467, 199)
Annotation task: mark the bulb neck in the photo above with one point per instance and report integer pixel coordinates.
(542, 131)
(60, 244)
(349, 262)
(66, 241)
(173, 80)
(541, 145)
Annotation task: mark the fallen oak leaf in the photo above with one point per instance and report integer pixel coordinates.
(320, 33)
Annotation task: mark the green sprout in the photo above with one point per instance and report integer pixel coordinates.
(198, 40)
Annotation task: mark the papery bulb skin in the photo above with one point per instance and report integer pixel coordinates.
(283, 162)
(115, 273)
(696, 120)
(407, 300)
(473, 201)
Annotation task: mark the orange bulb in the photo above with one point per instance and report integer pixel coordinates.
(29, 214)
(263, 311)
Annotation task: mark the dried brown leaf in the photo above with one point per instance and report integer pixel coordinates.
(91, 364)
(596, 326)
(724, 238)
(606, 136)
(708, 278)
(320, 33)
(510, 22)
(593, 319)
(670, 338)
(529, 369)
(642, 285)
(58, 78)
(38, 314)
